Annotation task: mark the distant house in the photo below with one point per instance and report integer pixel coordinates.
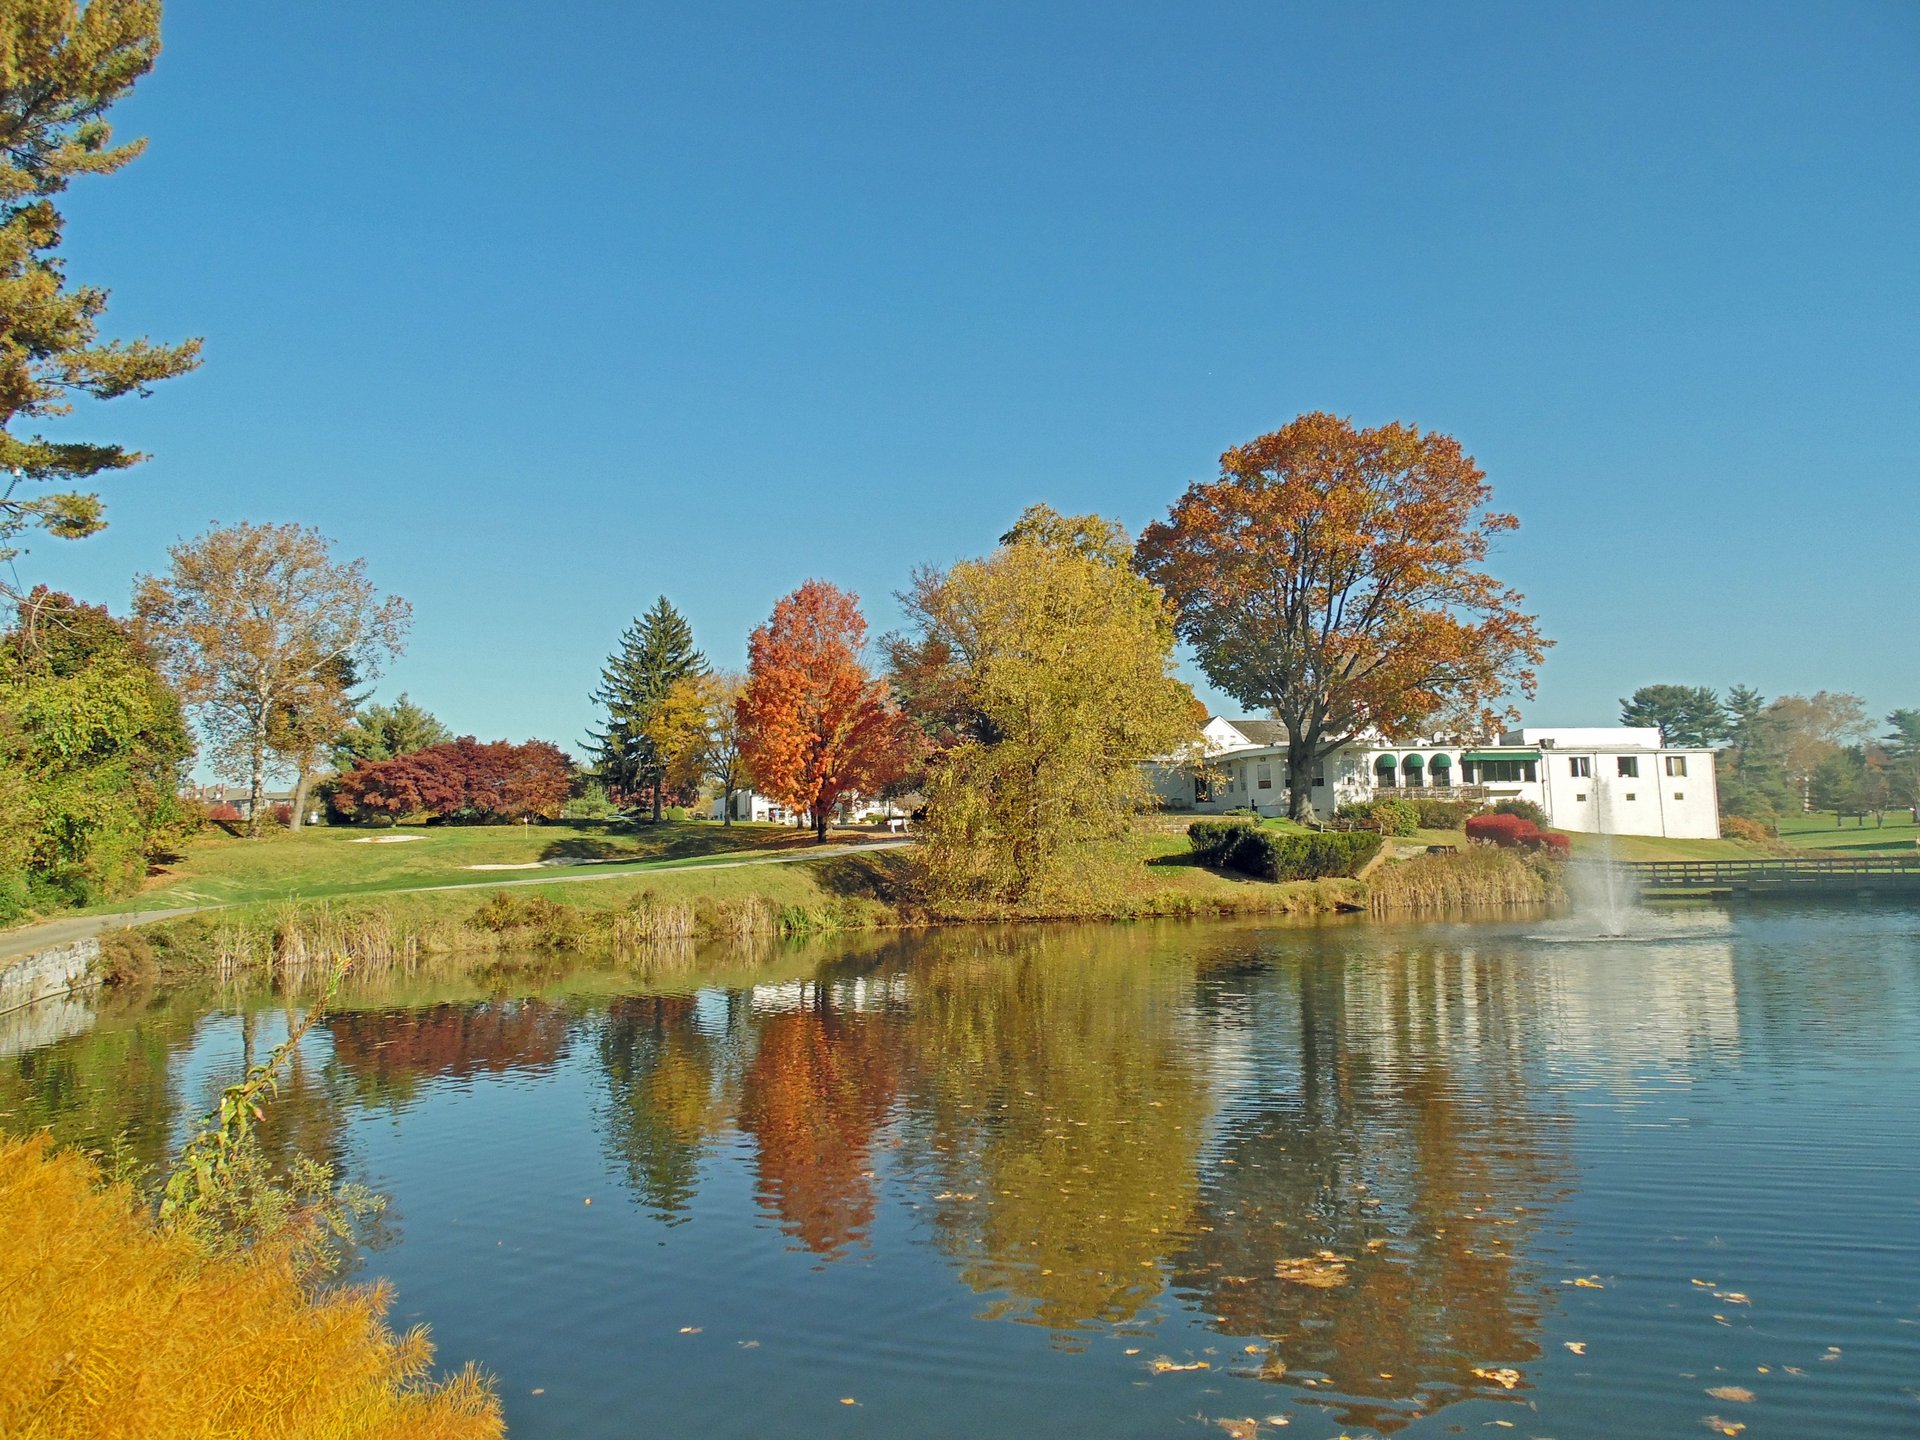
(1616, 779)
(751, 805)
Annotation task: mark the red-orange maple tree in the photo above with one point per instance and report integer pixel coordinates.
(1333, 577)
(816, 726)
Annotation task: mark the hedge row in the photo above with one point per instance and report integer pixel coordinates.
(1274, 855)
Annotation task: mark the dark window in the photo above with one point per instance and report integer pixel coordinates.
(1580, 767)
(1676, 765)
(1629, 768)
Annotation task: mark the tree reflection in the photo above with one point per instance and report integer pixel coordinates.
(389, 1053)
(1057, 1109)
(1372, 1205)
(822, 1079)
(663, 1100)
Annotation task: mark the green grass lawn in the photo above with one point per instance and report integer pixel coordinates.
(1625, 847)
(221, 869)
(1828, 832)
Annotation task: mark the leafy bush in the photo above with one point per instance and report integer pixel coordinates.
(1445, 814)
(1214, 840)
(1516, 832)
(225, 813)
(112, 1323)
(460, 780)
(591, 803)
(1280, 855)
(281, 814)
(1739, 827)
(1389, 815)
(1522, 809)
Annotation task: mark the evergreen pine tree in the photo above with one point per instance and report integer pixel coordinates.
(656, 653)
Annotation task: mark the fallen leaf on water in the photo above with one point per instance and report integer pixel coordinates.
(1253, 1349)
(1732, 1297)
(1240, 1429)
(1705, 1284)
(1505, 1378)
(1737, 1393)
(689, 1329)
(541, 1391)
(848, 1400)
(1586, 1282)
(1833, 1353)
(1278, 1420)
(1793, 1369)
(1578, 1347)
(1134, 1351)
(1722, 1427)
(749, 1344)
(1162, 1365)
(1324, 1271)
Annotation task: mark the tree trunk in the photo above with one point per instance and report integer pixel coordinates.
(822, 817)
(298, 816)
(1299, 779)
(256, 785)
(726, 807)
(657, 777)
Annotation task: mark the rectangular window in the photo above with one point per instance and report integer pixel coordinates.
(1629, 795)
(1676, 764)
(1501, 772)
(1581, 798)
(1629, 767)
(1320, 781)
(1679, 794)
(1265, 776)
(1580, 767)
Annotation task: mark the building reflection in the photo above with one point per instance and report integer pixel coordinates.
(1379, 1182)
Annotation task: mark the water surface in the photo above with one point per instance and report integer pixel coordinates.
(1359, 1179)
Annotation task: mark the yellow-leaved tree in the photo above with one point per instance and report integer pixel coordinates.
(1042, 676)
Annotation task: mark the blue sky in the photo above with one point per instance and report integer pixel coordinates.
(549, 309)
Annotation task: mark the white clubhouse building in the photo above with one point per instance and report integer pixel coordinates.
(1616, 779)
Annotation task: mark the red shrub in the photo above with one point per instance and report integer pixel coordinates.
(1510, 832)
(462, 779)
(225, 813)
(1513, 832)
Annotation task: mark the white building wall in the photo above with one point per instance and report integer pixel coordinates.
(1581, 789)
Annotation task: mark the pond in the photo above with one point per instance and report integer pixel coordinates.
(1156, 1180)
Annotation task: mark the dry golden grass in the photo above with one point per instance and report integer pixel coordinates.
(115, 1329)
(1477, 877)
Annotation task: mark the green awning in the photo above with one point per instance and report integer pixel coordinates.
(1473, 756)
(1384, 762)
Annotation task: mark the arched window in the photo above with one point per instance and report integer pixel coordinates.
(1383, 772)
(1410, 772)
(1440, 771)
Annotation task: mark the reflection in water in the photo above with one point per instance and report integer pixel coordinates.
(1057, 1106)
(389, 1053)
(1332, 1159)
(1382, 1173)
(822, 1078)
(663, 1104)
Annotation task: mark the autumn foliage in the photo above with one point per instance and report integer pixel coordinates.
(1332, 577)
(111, 1325)
(815, 725)
(1515, 832)
(460, 780)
